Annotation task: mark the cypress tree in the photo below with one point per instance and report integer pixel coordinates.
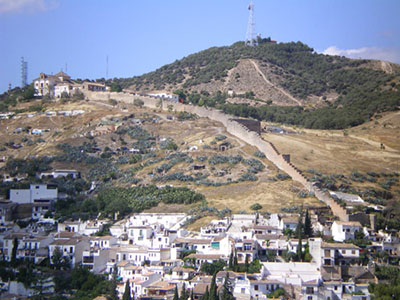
(183, 293)
(235, 261)
(176, 295)
(307, 225)
(231, 261)
(246, 264)
(227, 289)
(213, 288)
(299, 228)
(127, 292)
(191, 295)
(299, 251)
(14, 252)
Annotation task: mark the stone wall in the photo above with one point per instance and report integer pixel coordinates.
(240, 131)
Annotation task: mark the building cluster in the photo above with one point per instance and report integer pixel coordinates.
(61, 84)
(154, 253)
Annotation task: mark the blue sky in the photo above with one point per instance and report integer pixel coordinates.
(140, 36)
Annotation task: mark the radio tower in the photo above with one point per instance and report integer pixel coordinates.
(24, 72)
(250, 40)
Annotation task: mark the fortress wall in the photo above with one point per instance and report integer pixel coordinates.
(234, 128)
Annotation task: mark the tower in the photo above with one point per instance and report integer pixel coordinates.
(250, 39)
(24, 72)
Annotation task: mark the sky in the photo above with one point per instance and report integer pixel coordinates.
(77, 36)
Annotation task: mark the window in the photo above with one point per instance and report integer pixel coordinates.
(343, 251)
(256, 287)
(328, 253)
(353, 251)
(309, 298)
(309, 290)
(243, 290)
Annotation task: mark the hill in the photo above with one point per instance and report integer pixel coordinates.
(285, 82)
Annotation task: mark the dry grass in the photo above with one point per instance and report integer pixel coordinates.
(339, 152)
(201, 222)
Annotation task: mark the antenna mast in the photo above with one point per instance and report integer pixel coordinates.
(250, 40)
(24, 72)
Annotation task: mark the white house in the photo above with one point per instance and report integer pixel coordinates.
(61, 173)
(342, 231)
(34, 193)
(70, 247)
(289, 223)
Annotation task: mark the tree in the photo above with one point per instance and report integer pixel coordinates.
(227, 289)
(176, 295)
(59, 261)
(256, 206)
(299, 250)
(127, 292)
(213, 288)
(235, 261)
(14, 252)
(300, 227)
(138, 102)
(115, 87)
(184, 295)
(113, 102)
(246, 263)
(230, 266)
(307, 225)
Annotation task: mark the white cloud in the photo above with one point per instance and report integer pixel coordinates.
(387, 54)
(30, 6)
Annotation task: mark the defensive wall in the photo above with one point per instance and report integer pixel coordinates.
(240, 131)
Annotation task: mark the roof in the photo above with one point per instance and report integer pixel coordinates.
(269, 236)
(162, 285)
(348, 223)
(206, 256)
(265, 227)
(200, 288)
(338, 246)
(180, 269)
(292, 220)
(123, 263)
(61, 242)
(192, 241)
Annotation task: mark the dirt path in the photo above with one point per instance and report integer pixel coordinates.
(368, 141)
(273, 85)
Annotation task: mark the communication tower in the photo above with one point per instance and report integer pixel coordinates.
(24, 72)
(250, 39)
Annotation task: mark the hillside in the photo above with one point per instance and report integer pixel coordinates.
(333, 92)
(170, 149)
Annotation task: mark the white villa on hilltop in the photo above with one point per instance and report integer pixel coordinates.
(56, 85)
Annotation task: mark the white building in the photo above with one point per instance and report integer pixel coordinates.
(343, 231)
(61, 173)
(72, 248)
(35, 193)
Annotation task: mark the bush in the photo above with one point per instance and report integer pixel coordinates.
(256, 206)
(138, 102)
